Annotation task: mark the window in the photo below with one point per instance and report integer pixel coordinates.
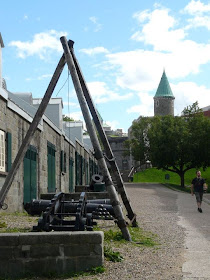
(2, 151)
(5, 151)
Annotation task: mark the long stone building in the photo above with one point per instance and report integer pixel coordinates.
(58, 157)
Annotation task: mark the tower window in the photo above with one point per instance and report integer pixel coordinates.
(157, 103)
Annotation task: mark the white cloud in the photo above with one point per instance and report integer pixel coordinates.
(141, 70)
(159, 31)
(75, 116)
(42, 77)
(113, 124)
(137, 70)
(145, 106)
(102, 94)
(93, 51)
(43, 44)
(93, 19)
(199, 21)
(45, 76)
(71, 104)
(97, 25)
(200, 15)
(186, 93)
(196, 7)
(142, 16)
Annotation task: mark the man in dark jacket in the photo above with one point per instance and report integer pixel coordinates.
(198, 187)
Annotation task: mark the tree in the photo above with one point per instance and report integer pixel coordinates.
(190, 111)
(178, 144)
(138, 144)
(67, 119)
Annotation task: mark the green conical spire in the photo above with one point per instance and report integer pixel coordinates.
(164, 89)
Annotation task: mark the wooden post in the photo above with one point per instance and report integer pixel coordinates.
(95, 142)
(26, 141)
(107, 148)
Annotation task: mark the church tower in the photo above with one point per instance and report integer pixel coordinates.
(164, 98)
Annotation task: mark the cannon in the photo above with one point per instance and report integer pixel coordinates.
(60, 215)
(37, 206)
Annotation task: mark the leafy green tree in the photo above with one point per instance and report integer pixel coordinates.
(191, 110)
(178, 144)
(67, 119)
(138, 143)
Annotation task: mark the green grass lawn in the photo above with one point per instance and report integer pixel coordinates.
(158, 176)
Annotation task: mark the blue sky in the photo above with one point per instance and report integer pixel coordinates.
(122, 48)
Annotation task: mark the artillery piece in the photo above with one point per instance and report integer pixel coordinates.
(60, 215)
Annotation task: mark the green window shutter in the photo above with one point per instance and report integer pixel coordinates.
(51, 167)
(78, 169)
(53, 170)
(71, 174)
(86, 173)
(81, 170)
(30, 174)
(62, 161)
(9, 151)
(76, 177)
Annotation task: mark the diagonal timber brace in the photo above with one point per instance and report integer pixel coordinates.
(103, 137)
(95, 142)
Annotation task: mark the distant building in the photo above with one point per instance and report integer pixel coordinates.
(164, 98)
(108, 130)
(206, 111)
(123, 161)
(163, 105)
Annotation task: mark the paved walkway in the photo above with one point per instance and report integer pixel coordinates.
(197, 240)
(196, 261)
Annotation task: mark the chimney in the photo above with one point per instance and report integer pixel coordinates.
(1, 46)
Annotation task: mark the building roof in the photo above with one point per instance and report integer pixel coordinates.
(207, 108)
(22, 100)
(164, 89)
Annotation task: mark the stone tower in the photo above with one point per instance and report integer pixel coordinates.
(164, 99)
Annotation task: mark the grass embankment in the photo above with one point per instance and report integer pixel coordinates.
(113, 238)
(154, 175)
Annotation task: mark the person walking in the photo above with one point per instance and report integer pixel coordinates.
(198, 187)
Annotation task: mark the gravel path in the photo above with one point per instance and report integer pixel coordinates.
(159, 216)
(157, 212)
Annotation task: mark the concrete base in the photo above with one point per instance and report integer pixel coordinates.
(46, 253)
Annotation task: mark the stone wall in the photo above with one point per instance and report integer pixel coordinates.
(163, 106)
(118, 149)
(49, 253)
(17, 122)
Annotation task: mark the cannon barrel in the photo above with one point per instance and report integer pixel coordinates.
(36, 207)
